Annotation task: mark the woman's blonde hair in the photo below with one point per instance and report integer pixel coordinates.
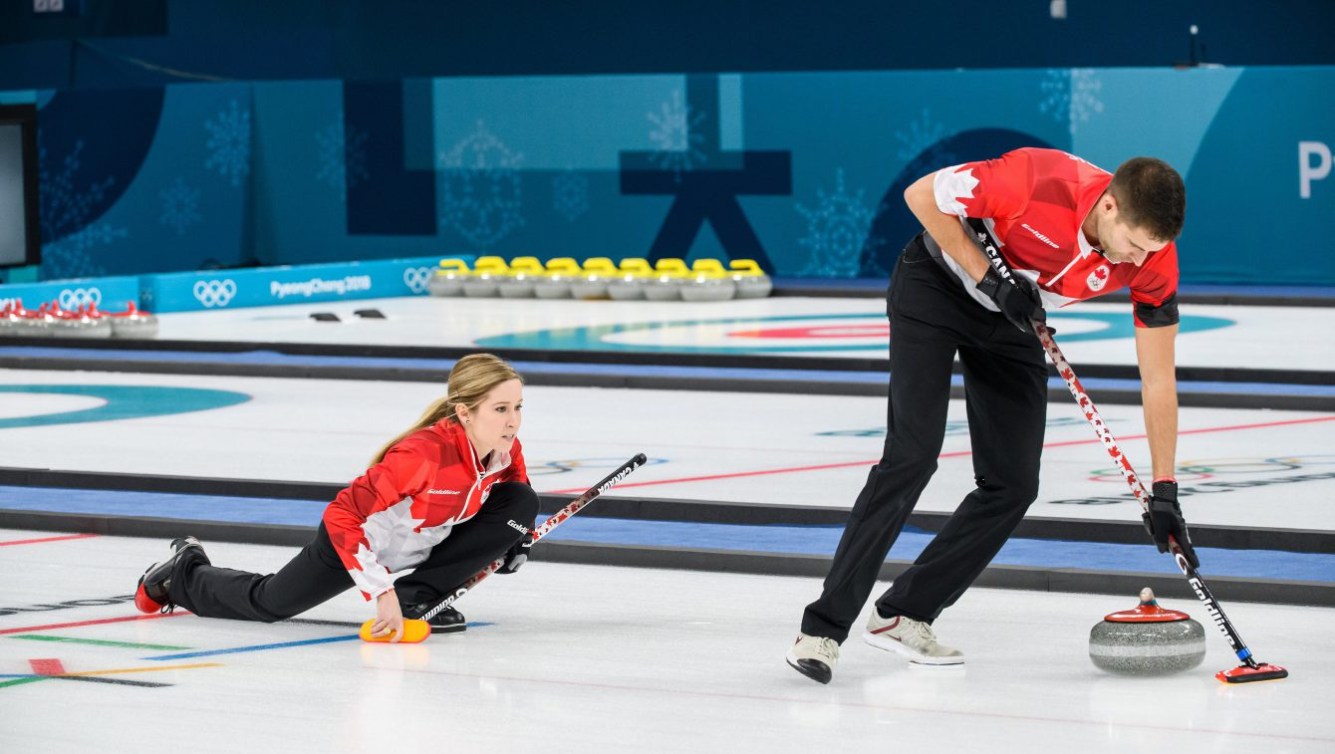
(470, 380)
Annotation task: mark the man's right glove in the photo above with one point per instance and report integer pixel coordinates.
(517, 555)
(1164, 518)
(1017, 299)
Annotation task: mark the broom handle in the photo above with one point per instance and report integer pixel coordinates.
(1091, 413)
(553, 521)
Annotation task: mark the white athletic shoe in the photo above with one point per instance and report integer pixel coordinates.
(814, 657)
(910, 638)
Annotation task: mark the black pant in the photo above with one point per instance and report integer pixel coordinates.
(316, 574)
(1005, 384)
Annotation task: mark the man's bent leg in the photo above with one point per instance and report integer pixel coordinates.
(921, 360)
(1006, 385)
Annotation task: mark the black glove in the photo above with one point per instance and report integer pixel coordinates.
(1017, 299)
(517, 555)
(1164, 518)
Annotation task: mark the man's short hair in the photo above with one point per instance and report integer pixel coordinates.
(1150, 195)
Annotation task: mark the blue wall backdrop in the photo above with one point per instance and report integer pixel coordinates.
(123, 43)
(802, 171)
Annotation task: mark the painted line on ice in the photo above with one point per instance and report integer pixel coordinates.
(76, 624)
(94, 675)
(253, 648)
(102, 642)
(953, 454)
(19, 680)
(47, 539)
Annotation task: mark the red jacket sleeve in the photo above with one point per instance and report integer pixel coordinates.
(986, 189)
(1154, 289)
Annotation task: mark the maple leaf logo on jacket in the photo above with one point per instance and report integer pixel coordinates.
(1098, 278)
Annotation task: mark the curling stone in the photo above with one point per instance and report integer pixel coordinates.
(524, 274)
(1147, 640)
(86, 322)
(593, 278)
(132, 323)
(628, 285)
(751, 281)
(449, 278)
(13, 322)
(670, 275)
(556, 280)
(708, 282)
(37, 323)
(485, 279)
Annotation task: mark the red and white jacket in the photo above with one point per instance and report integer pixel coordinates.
(389, 518)
(1034, 202)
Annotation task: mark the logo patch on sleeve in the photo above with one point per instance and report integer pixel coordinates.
(1098, 278)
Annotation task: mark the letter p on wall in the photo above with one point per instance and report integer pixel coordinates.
(1308, 170)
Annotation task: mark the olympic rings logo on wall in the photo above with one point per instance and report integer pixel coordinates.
(75, 298)
(416, 278)
(549, 468)
(215, 293)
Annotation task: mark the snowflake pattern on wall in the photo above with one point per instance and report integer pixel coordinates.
(920, 134)
(838, 232)
(920, 144)
(570, 194)
(341, 155)
(480, 188)
(65, 208)
(180, 206)
(676, 136)
(1071, 96)
(228, 144)
(72, 256)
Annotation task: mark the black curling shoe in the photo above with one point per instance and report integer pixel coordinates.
(446, 621)
(152, 594)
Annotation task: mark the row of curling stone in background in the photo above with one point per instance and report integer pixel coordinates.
(599, 278)
(1147, 640)
(50, 320)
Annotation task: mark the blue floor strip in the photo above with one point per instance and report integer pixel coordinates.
(238, 510)
(1034, 553)
(777, 539)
